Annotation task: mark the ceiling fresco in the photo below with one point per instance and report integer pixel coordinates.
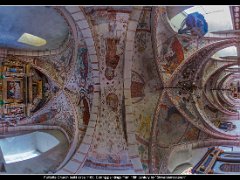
(119, 88)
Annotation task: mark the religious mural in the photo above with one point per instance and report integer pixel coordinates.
(61, 61)
(191, 134)
(84, 84)
(100, 15)
(167, 126)
(112, 58)
(57, 90)
(137, 87)
(145, 85)
(172, 55)
(109, 146)
(144, 126)
(41, 84)
(64, 116)
(45, 116)
(80, 84)
(235, 89)
(82, 63)
(84, 106)
(14, 90)
(22, 90)
(143, 30)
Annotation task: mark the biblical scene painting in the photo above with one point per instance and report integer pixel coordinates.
(14, 90)
(235, 90)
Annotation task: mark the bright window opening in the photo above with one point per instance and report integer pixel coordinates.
(217, 17)
(21, 156)
(32, 40)
(187, 171)
(229, 51)
(234, 67)
(27, 146)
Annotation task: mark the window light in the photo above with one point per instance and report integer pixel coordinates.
(32, 40)
(20, 156)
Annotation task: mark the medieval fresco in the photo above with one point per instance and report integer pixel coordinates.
(145, 85)
(80, 84)
(167, 123)
(57, 112)
(235, 89)
(137, 87)
(109, 143)
(191, 134)
(99, 15)
(24, 90)
(112, 58)
(173, 55)
(124, 88)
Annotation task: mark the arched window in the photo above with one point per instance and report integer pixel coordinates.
(211, 15)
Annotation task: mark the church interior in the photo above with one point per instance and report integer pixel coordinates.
(120, 89)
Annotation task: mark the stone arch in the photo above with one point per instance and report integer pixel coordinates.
(80, 20)
(130, 127)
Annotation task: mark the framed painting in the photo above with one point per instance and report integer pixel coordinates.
(14, 70)
(13, 90)
(17, 110)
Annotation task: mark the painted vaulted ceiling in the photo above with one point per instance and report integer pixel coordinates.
(126, 90)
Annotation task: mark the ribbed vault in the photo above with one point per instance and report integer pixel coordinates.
(129, 92)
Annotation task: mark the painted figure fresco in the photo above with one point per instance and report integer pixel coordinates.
(83, 62)
(226, 126)
(137, 89)
(13, 90)
(167, 127)
(191, 133)
(145, 126)
(112, 111)
(90, 89)
(112, 58)
(141, 40)
(45, 116)
(143, 29)
(173, 55)
(137, 86)
(235, 90)
(142, 20)
(112, 101)
(10, 90)
(84, 105)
